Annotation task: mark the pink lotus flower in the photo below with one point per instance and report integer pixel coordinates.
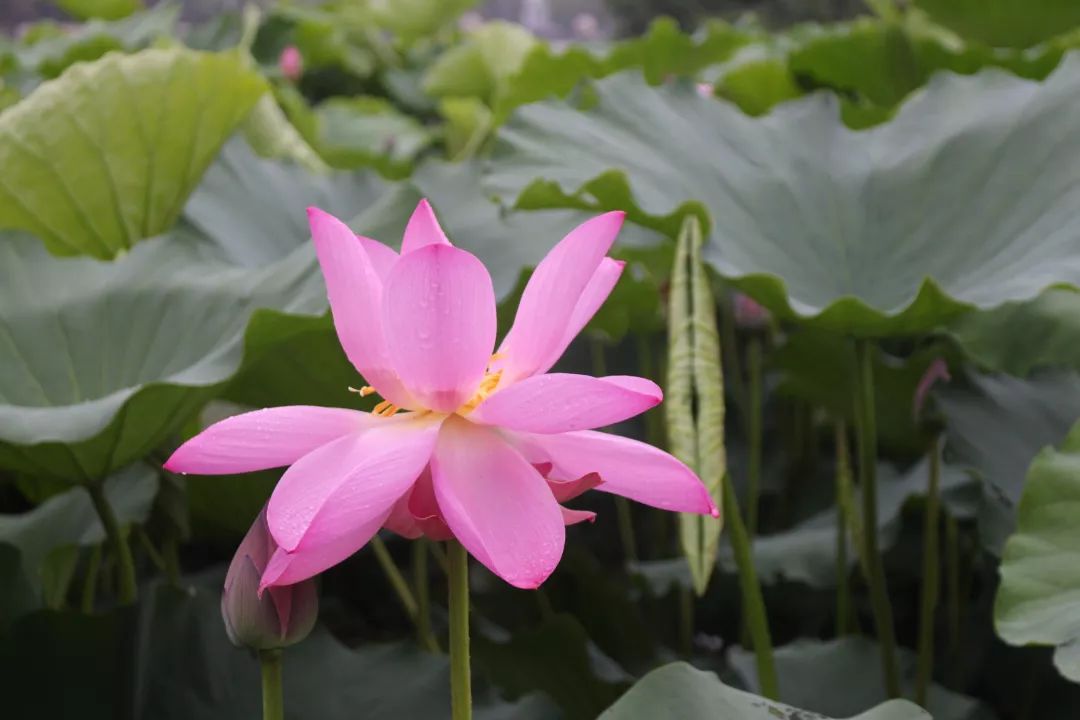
(291, 63)
(487, 446)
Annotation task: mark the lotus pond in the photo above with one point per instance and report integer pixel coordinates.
(372, 359)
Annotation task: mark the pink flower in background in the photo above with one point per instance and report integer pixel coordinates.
(291, 63)
(937, 370)
(263, 621)
(705, 90)
(749, 313)
(487, 446)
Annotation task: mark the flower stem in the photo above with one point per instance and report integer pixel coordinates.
(686, 621)
(121, 550)
(272, 696)
(89, 590)
(930, 578)
(753, 611)
(843, 485)
(952, 565)
(753, 361)
(460, 676)
(423, 595)
(622, 505)
(866, 431)
(397, 580)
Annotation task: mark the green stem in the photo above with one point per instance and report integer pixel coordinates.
(843, 484)
(732, 360)
(952, 565)
(148, 546)
(460, 677)
(753, 611)
(622, 505)
(866, 431)
(397, 580)
(753, 361)
(89, 590)
(171, 552)
(423, 595)
(120, 549)
(686, 620)
(930, 578)
(272, 696)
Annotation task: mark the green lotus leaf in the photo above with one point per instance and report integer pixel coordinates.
(51, 55)
(682, 691)
(107, 9)
(805, 213)
(100, 362)
(481, 65)
(359, 131)
(180, 665)
(1004, 23)
(663, 51)
(1020, 338)
(414, 19)
(842, 676)
(69, 519)
(106, 154)
(996, 427)
(1038, 601)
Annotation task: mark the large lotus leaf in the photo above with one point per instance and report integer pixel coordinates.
(69, 518)
(108, 9)
(815, 219)
(875, 63)
(1005, 23)
(100, 362)
(663, 51)
(361, 131)
(1019, 338)
(842, 676)
(482, 63)
(51, 55)
(414, 19)
(996, 428)
(1038, 601)
(106, 154)
(681, 691)
(193, 671)
(170, 659)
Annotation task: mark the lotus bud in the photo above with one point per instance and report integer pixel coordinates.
(937, 370)
(705, 90)
(749, 314)
(280, 616)
(291, 63)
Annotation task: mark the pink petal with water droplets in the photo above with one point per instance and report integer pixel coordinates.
(496, 504)
(592, 297)
(439, 319)
(350, 481)
(627, 467)
(354, 288)
(563, 402)
(318, 553)
(548, 303)
(422, 229)
(264, 439)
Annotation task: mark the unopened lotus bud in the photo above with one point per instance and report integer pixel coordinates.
(291, 63)
(280, 616)
(749, 314)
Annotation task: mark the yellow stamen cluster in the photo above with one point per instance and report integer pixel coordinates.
(385, 409)
(487, 386)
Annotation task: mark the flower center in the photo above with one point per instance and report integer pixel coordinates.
(486, 387)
